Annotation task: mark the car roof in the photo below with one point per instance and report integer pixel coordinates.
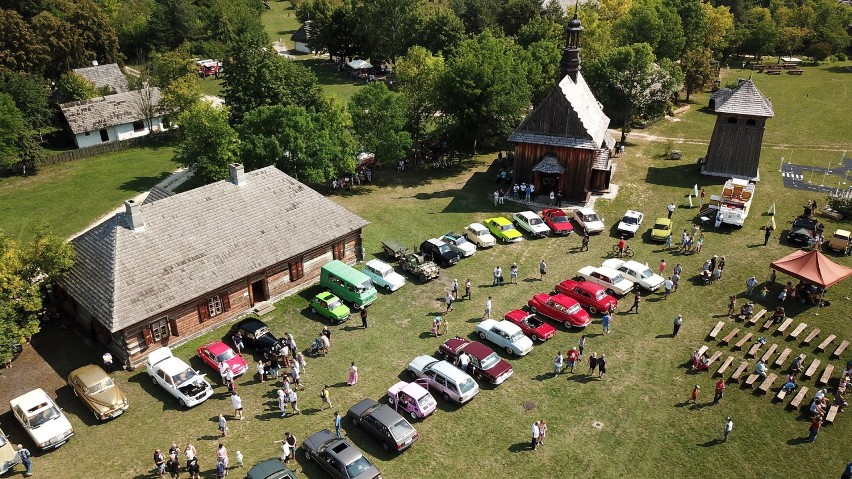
(30, 399)
(632, 264)
(326, 296)
(554, 211)
(478, 350)
(841, 232)
(449, 370)
(452, 235)
(270, 468)
(89, 374)
(172, 366)
(509, 326)
(607, 271)
(518, 313)
(527, 214)
(251, 324)
(386, 415)
(476, 226)
(379, 265)
(588, 286)
(361, 406)
(499, 220)
(563, 299)
(663, 220)
(216, 347)
(632, 213)
(347, 454)
(585, 211)
(613, 263)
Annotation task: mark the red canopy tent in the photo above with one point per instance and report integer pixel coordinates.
(813, 267)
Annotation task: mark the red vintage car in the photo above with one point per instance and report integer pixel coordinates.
(560, 308)
(594, 297)
(533, 327)
(557, 221)
(484, 364)
(216, 352)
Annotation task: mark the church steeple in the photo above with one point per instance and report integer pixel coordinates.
(570, 63)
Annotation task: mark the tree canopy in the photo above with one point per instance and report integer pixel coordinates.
(208, 143)
(379, 121)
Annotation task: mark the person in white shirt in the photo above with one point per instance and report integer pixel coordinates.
(488, 308)
(237, 402)
(536, 434)
(464, 361)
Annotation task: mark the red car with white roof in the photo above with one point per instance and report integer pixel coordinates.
(559, 307)
(592, 296)
(484, 364)
(557, 221)
(216, 352)
(533, 327)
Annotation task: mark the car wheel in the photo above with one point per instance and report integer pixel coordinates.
(610, 292)
(182, 402)
(533, 310)
(593, 309)
(580, 279)
(313, 310)
(307, 454)
(413, 415)
(391, 400)
(421, 277)
(482, 335)
(388, 288)
(535, 337)
(385, 447)
(446, 397)
(509, 350)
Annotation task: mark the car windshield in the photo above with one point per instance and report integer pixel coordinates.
(401, 428)
(101, 386)
(365, 286)
(661, 226)
(617, 279)
(228, 354)
(479, 232)
(840, 237)
(425, 400)
(506, 227)
(354, 469)
(601, 295)
(559, 219)
(489, 361)
(591, 217)
(43, 415)
(261, 331)
(645, 273)
(535, 221)
(444, 248)
(459, 240)
(467, 385)
(574, 309)
(629, 220)
(332, 305)
(186, 376)
(517, 336)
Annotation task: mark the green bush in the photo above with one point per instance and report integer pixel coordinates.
(843, 205)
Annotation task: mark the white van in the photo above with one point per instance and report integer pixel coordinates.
(450, 382)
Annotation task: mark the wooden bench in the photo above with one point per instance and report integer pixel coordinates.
(826, 342)
(837, 352)
(767, 383)
(812, 368)
(767, 324)
(832, 412)
(810, 337)
(759, 68)
(768, 354)
(739, 371)
(727, 339)
(826, 375)
(753, 320)
(714, 357)
(786, 324)
(724, 366)
(703, 349)
(773, 72)
(797, 399)
(753, 350)
(743, 340)
(782, 393)
(751, 379)
(795, 72)
(796, 332)
(715, 331)
(783, 357)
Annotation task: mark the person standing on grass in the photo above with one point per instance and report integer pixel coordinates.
(222, 455)
(671, 208)
(601, 366)
(449, 301)
(445, 326)
(237, 402)
(584, 246)
(513, 273)
(260, 369)
(353, 375)
(814, 429)
(293, 398)
(720, 391)
(282, 402)
(223, 425)
(488, 305)
(536, 434)
(285, 451)
(468, 289)
(668, 242)
(605, 322)
(729, 426)
(364, 317)
(701, 197)
(678, 321)
(496, 197)
(593, 363)
(581, 344)
(662, 266)
(668, 284)
(454, 289)
(497, 273)
(337, 424)
(732, 305)
(558, 363)
(542, 270)
(767, 234)
(573, 355)
(237, 338)
(636, 299)
(324, 396)
(684, 239)
(694, 397)
(159, 460)
(675, 280)
(173, 467)
(542, 432)
(26, 459)
(751, 283)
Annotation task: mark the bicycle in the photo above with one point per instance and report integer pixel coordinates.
(628, 251)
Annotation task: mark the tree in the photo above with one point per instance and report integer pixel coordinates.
(208, 143)
(73, 87)
(544, 58)
(697, 69)
(655, 24)
(477, 15)
(516, 13)
(484, 88)
(129, 19)
(31, 96)
(379, 120)
(720, 26)
(417, 74)
(164, 68)
(386, 27)
(538, 29)
(180, 95)
(12, 128)
(758, 34)
(693, 20)
(438, 28)
(20, 48)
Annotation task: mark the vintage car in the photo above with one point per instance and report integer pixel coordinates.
(558, 222)
(637, 272)
(439, 252)
(612, 280)
(383, 275)
(503, 230)
(177, 378)
(587, 219)
(452, 383)
(339, 458)
(840, 241)
(479, 235)
(590, 295)
(559, 307)
(662, 229)
(215, 353)
(506, 335)
(9, 457)
(412, 398)
(459, 244)
(533, 327)
(98, 391)
(803, 229)
(42, 419)
(630, 223)
(393, 431)
(270, 469)
(484, 363)
(531, 223)
(256, 335)
(330, 306)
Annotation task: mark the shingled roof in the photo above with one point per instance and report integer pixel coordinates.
(570, 116)
(746, 100)
(303, 34)
(106, 111)
(197, 241)
(109, 75)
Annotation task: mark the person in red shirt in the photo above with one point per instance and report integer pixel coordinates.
(720, 390)
(695, 393)
(572, 355)
(621, 245)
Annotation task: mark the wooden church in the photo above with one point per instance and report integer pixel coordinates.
(734, 150)
(563, 144)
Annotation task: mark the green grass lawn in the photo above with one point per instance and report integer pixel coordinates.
(69, 196)
(210, 86)
(280, 22)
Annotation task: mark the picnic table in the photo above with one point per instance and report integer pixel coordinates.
(812, 368)
(797, 400)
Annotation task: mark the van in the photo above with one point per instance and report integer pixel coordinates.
(348, 284)
(450, 382)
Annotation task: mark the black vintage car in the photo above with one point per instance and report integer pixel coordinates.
(803, 230)
(439, 252)
(391, 429)
(257, 336)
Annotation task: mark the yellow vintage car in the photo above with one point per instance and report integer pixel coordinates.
(98, 391)
(8, 454)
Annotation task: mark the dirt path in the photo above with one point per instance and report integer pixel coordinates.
(775, 146)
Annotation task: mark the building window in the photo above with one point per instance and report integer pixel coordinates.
(732, 120)
(339, 250)
(214, 306)
(104, 134)
(138, 125)
(296, 269)
(87, 133)
(751, 122)
(160, 329)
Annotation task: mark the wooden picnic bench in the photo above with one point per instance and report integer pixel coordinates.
(727, 339)
(812, 368)
(739, 371)
(773, 71)
(837, 352)
(797, 399)
(715, 331)
(810, 337)
(725, 365)
(767, 324)
(826, 342)
(753, 350)
(826, 374)
(743, 340)
(714, 357)
(703, 349)
(795, 72)
(751, 379)
(782, 393)
(783, 357)
(832, 412)
(753, 320)
(786, 324)
(767, 383)
(796, 332)
(760, 68)
(768, 354)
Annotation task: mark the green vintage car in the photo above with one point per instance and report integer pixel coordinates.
(330, 306)
(503, 230)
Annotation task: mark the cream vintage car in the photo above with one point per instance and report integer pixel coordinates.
(98, 391)
(8, 454)
(42, 419)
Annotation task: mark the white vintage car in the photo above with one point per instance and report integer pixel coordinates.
(589, 220)
(630, 223)
(175, 376)
(479, 235)
(612, 280)
(506, 335)
(383, 275)
(42, 419)
(636, 272)
(9, 457)
(531, 223)
(459, 244)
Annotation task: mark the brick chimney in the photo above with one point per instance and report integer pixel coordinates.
(133, 215)
(238, 174)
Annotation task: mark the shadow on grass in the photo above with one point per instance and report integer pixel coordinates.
(681, 176)
(796, 441)
(520, 447)
(146, 383)
(583, 378)
(143, 183)
(711, 443)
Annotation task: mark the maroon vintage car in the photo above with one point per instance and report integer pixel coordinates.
(484, 364)
(592, 296)
(560, 308)
(533, 327)
(557, 221)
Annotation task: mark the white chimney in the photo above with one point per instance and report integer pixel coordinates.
(238, 174)
(94, 63)
(133, 216)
